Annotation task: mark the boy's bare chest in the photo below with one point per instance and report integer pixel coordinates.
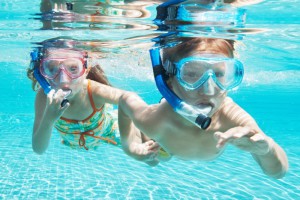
(190, 144)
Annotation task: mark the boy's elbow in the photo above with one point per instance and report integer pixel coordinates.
(122, 99)
(125, 98)
(278, 173)
(127, 103)
(37, 150)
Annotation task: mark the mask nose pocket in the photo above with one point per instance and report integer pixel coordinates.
(63, 76)
(209, 87)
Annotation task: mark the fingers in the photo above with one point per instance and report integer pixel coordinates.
(148, 151)
(245, 139)
(152, 146)
(263, 144)
(59, 95)
(56, 97)
(50, 95)
(148, 155)
(257, 138)
(231, 134)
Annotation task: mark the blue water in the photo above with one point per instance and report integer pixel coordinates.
(270, 92)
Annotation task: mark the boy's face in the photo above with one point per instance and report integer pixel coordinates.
(209, 93)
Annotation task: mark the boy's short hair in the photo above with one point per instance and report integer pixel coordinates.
(189, 46)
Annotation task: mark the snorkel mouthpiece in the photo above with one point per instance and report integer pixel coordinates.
(203, 121)
(196, 115)
(65, 100)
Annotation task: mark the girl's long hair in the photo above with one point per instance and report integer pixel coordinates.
(97, 74)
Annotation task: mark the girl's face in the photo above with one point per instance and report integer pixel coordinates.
(64, 69)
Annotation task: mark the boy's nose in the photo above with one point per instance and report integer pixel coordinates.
(208, 87)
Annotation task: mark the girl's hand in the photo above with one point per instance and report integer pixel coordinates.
(244, 138)
(53, 108)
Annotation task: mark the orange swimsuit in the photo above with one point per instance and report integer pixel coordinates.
(101, 125)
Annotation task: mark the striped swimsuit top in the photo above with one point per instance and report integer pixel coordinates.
(88, 133)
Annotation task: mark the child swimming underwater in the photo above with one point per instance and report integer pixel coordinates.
(85, 119)
(198, 73)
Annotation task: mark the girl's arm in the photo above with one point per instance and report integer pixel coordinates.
(47, 111)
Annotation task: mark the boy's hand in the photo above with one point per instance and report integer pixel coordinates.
(148, 152)
(244, 138)
(53, 107)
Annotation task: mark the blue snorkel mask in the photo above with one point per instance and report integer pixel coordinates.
(191, 113)
(36, 57)
(193, 72)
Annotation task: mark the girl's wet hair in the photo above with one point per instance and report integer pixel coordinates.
(97, 74)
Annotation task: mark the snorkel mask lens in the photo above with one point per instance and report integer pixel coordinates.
(193, 72)
(73, 67)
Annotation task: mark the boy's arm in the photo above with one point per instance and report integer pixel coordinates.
(275, 162)
(247, 136)
(108, 93)
(132, 118)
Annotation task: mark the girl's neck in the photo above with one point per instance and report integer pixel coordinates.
(80, 95)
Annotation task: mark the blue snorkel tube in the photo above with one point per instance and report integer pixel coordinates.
(191, 113)
(35, 57)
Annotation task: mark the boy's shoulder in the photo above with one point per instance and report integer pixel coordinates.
(228, 106)
(227, 103)
(228, 100)
(233, 114)
(154, 118)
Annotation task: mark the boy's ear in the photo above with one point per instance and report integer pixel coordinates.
(169, 82)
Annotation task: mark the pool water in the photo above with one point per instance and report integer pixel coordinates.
(270, 92)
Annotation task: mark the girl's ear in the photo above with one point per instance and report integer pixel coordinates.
(87, 71)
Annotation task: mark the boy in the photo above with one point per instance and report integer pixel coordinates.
(199, 71)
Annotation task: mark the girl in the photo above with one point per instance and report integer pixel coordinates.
(85, 120)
